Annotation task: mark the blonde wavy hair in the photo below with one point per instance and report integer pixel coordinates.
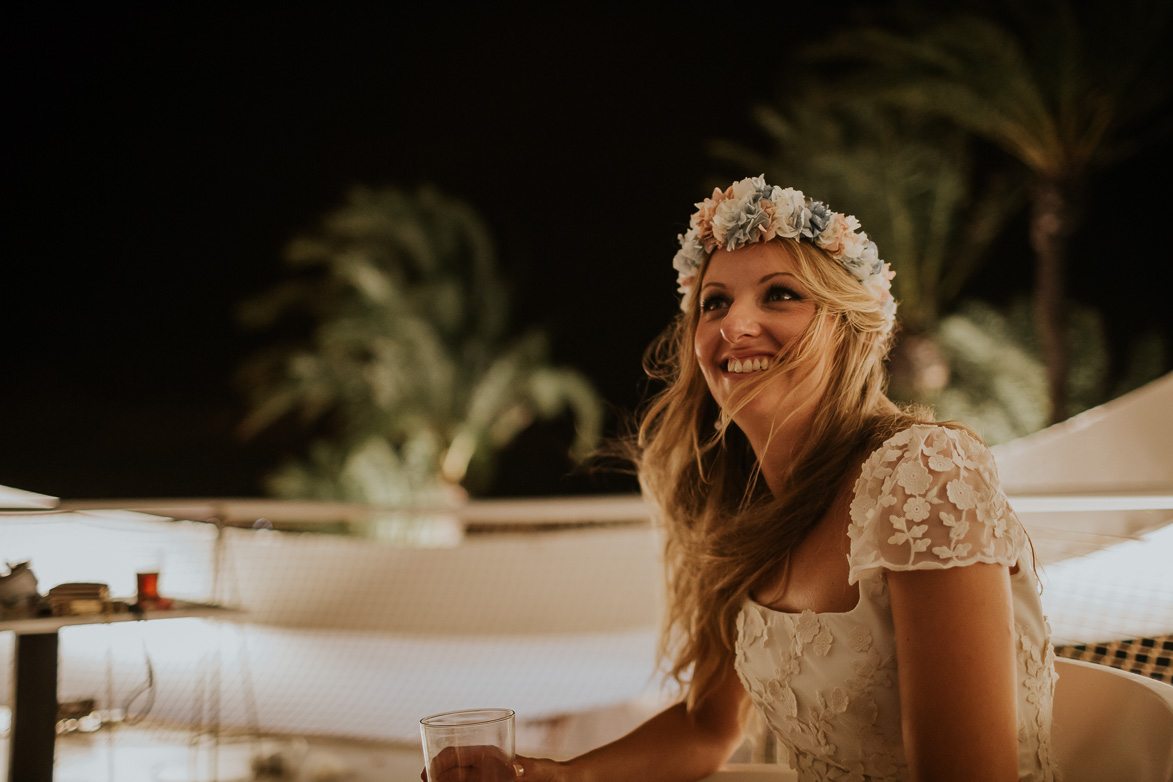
(725, 531)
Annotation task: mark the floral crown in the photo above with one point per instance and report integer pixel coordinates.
(750, 211)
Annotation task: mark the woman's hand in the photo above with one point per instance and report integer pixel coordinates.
(675, 744)
(489, 764)
(540, 770)
(470, 764)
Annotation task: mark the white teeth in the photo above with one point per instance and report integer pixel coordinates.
(749, 365)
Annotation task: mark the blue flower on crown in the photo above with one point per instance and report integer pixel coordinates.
(820, 215)
(748, 220)
(865, 264)
(691, 255)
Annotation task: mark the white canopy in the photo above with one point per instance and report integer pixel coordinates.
(19, 498)
(1096, 494)
(1105, 472)
(1125, 445)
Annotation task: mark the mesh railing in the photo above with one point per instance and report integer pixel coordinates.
(377, 618)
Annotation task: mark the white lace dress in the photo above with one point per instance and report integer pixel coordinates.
(826, 684)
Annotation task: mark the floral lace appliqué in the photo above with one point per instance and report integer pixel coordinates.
(1039, 662)
(930, 498)
(811, 629)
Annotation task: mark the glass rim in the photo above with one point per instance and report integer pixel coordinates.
(451, 719)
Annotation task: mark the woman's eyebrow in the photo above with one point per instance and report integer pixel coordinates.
(772, 275)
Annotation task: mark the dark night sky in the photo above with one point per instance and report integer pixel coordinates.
(158, 158)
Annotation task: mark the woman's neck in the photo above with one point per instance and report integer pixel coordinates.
(776, 444)
(778, 431)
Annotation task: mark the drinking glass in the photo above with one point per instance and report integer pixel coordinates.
(473, 745)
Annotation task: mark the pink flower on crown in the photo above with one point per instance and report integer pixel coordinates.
(834, 237)
(856, 249)
(880, 285)
(703, 219)
(770, 229)
(724, 218)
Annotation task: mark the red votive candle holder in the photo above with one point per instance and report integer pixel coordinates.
(148, 586)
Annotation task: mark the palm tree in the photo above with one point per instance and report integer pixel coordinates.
(912, 184)
(403, 363)
(1064, 92)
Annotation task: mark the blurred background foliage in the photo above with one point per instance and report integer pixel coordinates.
(997, 380)
(1061, 89)
(404, 370)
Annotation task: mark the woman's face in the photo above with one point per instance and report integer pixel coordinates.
(752, 304)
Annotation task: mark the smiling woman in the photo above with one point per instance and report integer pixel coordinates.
(848, 569)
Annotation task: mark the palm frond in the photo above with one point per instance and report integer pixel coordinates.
(1055, 91)
(406, 360)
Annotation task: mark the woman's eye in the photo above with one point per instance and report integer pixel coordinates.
(781, 293)
(710, 303)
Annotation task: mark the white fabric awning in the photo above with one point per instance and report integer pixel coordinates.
(1095, 493)
(1099, 477)
(1123, 446)
(21, 499)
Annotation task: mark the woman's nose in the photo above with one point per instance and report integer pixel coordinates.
(739, 322)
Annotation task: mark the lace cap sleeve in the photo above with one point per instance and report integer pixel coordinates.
(929, 498)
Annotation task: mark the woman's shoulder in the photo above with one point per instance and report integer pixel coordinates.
(929, 496)
(951, 441)
(922, 453)
(922, 431)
